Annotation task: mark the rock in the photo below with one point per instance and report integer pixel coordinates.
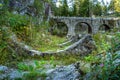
(83, 46)
(70, 72)
(64, 73)
(116, 62)
(22, 7)
(3, 68)
(15, 74)
(117, 52)
(9, 74)
(88, 76)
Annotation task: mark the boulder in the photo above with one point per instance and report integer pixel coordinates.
(9, 74)
(69, 72)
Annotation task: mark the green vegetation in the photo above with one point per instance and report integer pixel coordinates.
(35, 33)
(108, 69)
(46, 42)
(104, 60)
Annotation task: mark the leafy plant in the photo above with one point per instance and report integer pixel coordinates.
(33, 75)
(1, 5)
(102, 42)
(91, 58)
(108, 69)
(34, 71)
(23, 66)
(4, 40)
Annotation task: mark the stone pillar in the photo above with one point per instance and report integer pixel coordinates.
(71, 28)
(95, 25)
(95, 29)
(117, 24)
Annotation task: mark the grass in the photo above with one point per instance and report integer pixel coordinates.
(51, 43)
(43, 41)
(51, 61)
(103, 42)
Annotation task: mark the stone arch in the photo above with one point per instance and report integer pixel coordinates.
(59, 28)
(82, 26)
(104, 28)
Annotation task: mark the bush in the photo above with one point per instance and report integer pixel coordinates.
(108, 69)
(102, 42)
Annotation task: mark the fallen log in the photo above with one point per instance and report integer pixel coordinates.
(65, 43)
(83, 46)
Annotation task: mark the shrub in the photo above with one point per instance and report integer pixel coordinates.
(108, 69)
(102, 43)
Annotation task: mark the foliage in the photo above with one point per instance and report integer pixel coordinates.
(45, 41)
(84, 8)
(97, 9)
(74, 12)
(1, 5)
(31, 67)
(36, 64)
(105, 66)
(38, 37)
(33, 75)
(102, 42)
(16, 20)
(28, 32)
(36, 69)
(7, 53)
(17, 23)
(108, 69)
(39, 7)
(111, 6)
(65, 9)
(3, 46)
(91, 58)
(114, 7)
(60, 29)
(115, 42)
(117, 5)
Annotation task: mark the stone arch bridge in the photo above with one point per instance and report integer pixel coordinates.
(93, 24)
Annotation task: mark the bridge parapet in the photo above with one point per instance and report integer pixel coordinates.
(59, 17)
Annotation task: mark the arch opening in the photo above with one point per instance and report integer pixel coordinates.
(59, 29)
(83, 28)
(104, 28)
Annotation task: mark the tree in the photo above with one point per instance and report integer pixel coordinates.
(117, 5)
(74, 10)
(65, 9)
(97, 9)
(111, 6)
(84, 8)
